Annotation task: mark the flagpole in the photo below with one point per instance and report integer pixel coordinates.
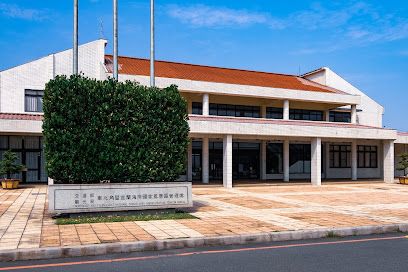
(152, 76)
(115, 39)
(75, 38)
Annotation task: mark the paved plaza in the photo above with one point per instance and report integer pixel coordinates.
(25, 222)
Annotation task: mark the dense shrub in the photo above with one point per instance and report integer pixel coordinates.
(107, 130)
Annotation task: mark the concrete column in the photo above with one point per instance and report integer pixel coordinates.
(286, 110)
(227, 161)
(327, 115)
(354, 160)
(263, 111)
(189, 107)
(263, 160)
(190, 161)
(286, 165)
(205, 161)
(206, 105)
(388, 152)
(353, 114)
(316, 161)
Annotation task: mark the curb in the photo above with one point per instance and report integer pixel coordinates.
(102, 249)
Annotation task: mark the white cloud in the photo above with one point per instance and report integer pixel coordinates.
(206, 16)
(354, 24)
(16, 12)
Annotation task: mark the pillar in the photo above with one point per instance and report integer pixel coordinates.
(316, 161)
(189, 107)
(286, 110)
(286, 166)
(353, 114)
(206, 105)
(263, 111)
(227, 161)
(354, 160)
(388, 152)
(190, 161)
(327, 115)
(205, 162)
(263, 160)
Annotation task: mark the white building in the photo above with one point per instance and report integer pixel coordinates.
(243, 124)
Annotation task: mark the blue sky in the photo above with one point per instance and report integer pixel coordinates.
(366, 42)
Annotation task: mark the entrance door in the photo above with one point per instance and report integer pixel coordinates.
(196, 159)
(245, 160)
(215, 160)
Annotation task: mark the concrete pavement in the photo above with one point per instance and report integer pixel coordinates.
(241, 212)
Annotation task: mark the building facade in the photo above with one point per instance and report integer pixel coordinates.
(244, 125)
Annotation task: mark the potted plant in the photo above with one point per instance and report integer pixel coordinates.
(403, 166)
(8, 167)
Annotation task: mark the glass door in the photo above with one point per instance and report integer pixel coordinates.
(215, 160)
(245, 160)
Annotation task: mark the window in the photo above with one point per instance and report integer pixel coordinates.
(197, 108)
(234, 110)
(340, 156)
(34, 100)
(311, 115)
(29, 150)
(274, 113)
(367, 156)
(338, 116)
(274, 158)
(299, 158)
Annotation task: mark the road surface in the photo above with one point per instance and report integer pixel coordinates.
(385, 253)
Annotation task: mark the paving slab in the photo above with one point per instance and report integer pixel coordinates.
(267, 212)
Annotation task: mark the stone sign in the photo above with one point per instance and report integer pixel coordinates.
(67, 198)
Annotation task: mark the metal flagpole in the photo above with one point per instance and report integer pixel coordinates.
(75, 49)
(115, 39)
(152, 80)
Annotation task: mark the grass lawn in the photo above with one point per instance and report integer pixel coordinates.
(86, 219)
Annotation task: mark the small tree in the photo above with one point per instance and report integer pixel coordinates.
(403, 164)
(9, 165)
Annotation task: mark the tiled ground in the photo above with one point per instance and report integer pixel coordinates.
(25, 223)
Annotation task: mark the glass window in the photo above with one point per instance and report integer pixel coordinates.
(340, 156)
(197, 108)
(367, 156)
(234, 110)
(29, 150)
(337, 116)
(274, 158)
(34, 100)
(311, 115)
(274, 113)
(299, 158)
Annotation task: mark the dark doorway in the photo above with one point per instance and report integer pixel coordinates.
(197, 159)
(215, 160)
(245, 160)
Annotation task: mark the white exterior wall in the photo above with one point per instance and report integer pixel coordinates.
(35, 74)
(371, 113)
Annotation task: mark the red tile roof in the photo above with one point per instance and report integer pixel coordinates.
(21, 116)
(166, 69)
(277, 122)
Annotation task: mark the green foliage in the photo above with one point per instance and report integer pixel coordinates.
(9, 165)
(107, 130)
(403, 164)
(123, 218)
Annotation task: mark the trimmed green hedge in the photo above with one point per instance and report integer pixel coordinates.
(106, 130)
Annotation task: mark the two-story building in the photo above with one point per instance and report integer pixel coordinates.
(244, 125)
